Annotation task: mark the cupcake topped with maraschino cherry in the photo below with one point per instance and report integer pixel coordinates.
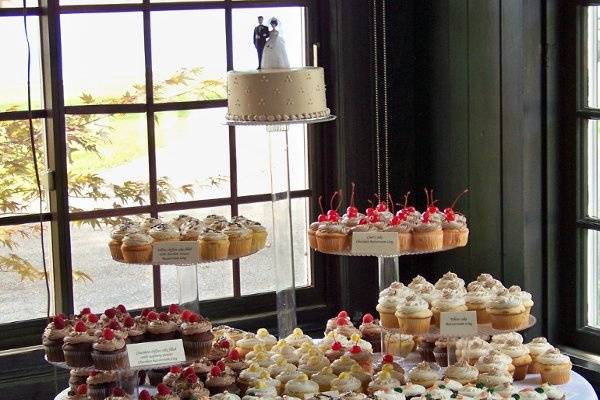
(454, 225)
(332, 235)
(333, 323)
(352, 217)
(427, 234)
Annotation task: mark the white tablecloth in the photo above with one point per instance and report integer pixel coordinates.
(577, 389)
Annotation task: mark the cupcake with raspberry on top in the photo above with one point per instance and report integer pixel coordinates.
(53, 338)
(160, 327)
(218, 381)
(197, 336)
(110, 352)
(77, 347)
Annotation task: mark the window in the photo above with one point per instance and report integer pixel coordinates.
(143, 99)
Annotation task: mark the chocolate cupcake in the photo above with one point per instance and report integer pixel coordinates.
(78, 393)
(110, 352)
(160, 327)
(234, 362)
(101, 383)
(197, 336)
(218, 381)
(425, 347)
(440, 352)
(77, 347)
(219, 350)
(53, 338)
(77, 376)
(155, 376)
(371, 331)
(202, 367)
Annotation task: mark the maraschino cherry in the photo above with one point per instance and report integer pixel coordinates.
(370, 210)
(381, 205)
(336, 346)
(332, 214)
(431, 208)
(234, 355)
(395, 219)
(343, 314)
(355, 349)
(323, 215)
(388, 359)
(352, 211)
(341, 321)
(449, 211)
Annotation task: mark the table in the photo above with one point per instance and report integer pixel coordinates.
(577, 389)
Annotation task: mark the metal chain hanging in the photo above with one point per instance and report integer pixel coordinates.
(386, 180)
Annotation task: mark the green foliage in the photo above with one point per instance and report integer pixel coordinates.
(85, 134)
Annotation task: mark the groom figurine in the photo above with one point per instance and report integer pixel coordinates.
(261, 33)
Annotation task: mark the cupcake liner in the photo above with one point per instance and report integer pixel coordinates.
(507, 322)
(455, 237)
(196, 349)
(388, 320)
(100, 392)
(78, 358)
(520, 372)
(155, 376)
(555, 374)
(482, 315)
(157, 337)
(259, 241)
(534, 367)
(312, 239)
(54, 352)
(414, 326)
(425, 241)
(214, 249)
(137, 254)
(404, 241)
(115, 250)
(332, 242)
(110, 361)
(240, 246)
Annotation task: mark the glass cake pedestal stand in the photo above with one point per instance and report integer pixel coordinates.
(282, 237)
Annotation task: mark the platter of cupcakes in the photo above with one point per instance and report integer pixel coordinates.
(415, 308)
(406, 231)
(218, 239)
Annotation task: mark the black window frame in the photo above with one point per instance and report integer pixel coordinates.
(314, 302)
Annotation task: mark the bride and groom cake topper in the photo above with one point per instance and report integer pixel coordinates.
(270, 46)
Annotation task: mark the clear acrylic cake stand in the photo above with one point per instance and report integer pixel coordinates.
(281, 237)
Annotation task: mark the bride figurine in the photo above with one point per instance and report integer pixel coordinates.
(274, 54)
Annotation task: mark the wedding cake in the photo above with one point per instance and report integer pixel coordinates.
(276, 94)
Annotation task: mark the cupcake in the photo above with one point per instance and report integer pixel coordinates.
(474, 350)
(218, 381)
(427, 235)
(155, 376)
(454, 228)
(116, 239)
(118, 394)
(448, 281)
(160, 327)
(335, 351)
(395, 370)
(297, 337)
(525, 297)
(234, 361)
(531, 394)
(263, 359)
(398, 344)
(261, 389)
(77, 347)
(240, 240)
(136, 332)
(425, 346)
(383, 380)
(265, 338)
(371, 331)
(495, 377)
(109, 351)
(163, 392)
(190, 230)
(501, 338)
(331, 338)
(450, 301)
(280, 364)
(312, 235)
(412, 390)
(438, 391)
(386, 307)
(248, 377)
(363, 377)
(506, 312)
(471, 391)
(313, 365)
(332, 323)
(53, 339)
(343, 364)
(301, 387)
(343, 328)
(77, 376)
(288, 373)
(423, 374)
(194, 389)
(78, 393)
(172, 377)
(289, 352)
(333, 237)
(552, 392)
(212, 218)
(259, 235)
(495, 360)
(323, 378)
(462, 372)
(137, 248)
(197, 336)
(418, 283)
(413, 315)
(555, 368)
(100, 384)
(477, 301)
(389, 394)
(214, 245)
(520, 358)
(201, 367)
(149, 223)
(362, 357)
(246, 344)
(181, 220)
(440, 352)
(537, 346)
(164, 233)
(346, 383)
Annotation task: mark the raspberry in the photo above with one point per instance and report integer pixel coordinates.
(221, 365)
(84, 311)
(110, 313)
(224, 343)
(192, 379)
(108, 334)
(234, 355)
(93, 318)
(163, 316)
(188, 371)
(175, 369)
(114, 325)
(129, 322)
(144, 395)
(185, 315)
(152, 316)
(145, 312)
(194, 318)
(122, 309)
(215, 371)
(59, 322)
(367, 319)
(118, 392)
(163, 389)
(174, 309)
(82, 389)
(80, 327)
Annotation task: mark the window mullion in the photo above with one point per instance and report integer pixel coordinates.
(57, 155)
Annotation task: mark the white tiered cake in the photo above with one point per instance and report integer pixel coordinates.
(276, 94)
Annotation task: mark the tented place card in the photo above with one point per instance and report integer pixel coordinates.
(458, 323)
(148, 354)
(178, 253)
(375, 243)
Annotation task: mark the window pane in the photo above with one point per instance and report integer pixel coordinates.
(77, 2)
(253, 170)
(254, 268)
(103, 58)
(108, 160)
(593, 284)
(291, 28)
(215, 280)
(593, 169)
(13, 79)
(593, 57)
(17, 3)
(198, 74)
(18, 187)
(22, 272)
(100, 282)
(192, 155)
